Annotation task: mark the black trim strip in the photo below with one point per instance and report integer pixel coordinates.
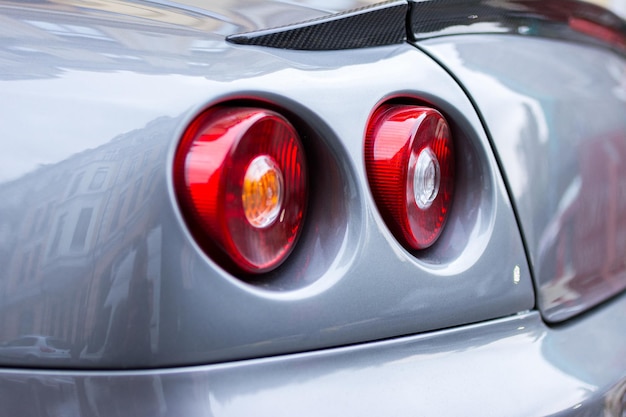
(377, 25)
(562, 19)
(395, 21)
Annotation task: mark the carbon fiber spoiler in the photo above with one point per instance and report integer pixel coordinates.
(397, 21)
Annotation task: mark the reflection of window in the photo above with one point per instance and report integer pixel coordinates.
(54, 247)
(133, 200)
(26, 262)
(76, 183)
(146, 158)
(70, 30)
(98, 179)
(131, 168)
(82, 226)
(118, 210)
(34, 262)
(35, 222)
(153, 179)
(44, 220)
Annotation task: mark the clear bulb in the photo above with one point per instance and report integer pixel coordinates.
(426, 179)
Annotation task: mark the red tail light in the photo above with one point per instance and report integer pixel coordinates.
(409, 158)
(240, 176)
(611, 35)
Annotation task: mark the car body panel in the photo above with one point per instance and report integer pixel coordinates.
(510, 367)
(95, 250)
(561, 139)
(98, 252)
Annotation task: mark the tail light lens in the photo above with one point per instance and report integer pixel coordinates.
(599, 30)
(240, 176)
(409, 158)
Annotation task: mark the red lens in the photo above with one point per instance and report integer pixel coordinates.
(240, 175)
(410, 166)
(599, 31)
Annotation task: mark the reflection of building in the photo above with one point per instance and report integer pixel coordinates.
(80, 247)
(76, 40)
(589, 250)
(75, 230)
(75, 240)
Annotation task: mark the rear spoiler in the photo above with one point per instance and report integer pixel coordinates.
(398, 21)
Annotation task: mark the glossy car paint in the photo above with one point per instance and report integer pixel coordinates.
(108, 96)
(510, 367)
(98, 251)
(558, 123)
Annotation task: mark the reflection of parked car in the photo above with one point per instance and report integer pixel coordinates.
(312, 208)
(35, 347)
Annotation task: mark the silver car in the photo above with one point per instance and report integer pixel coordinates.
(313, 208)
(32, 348)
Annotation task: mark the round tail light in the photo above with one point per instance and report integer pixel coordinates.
(409, 158)
(240, 177)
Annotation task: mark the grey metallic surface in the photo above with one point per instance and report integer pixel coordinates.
(509, 367)
(94, 251)
(247, 15)
(92, 242)
(558, 122)
(572, 20)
